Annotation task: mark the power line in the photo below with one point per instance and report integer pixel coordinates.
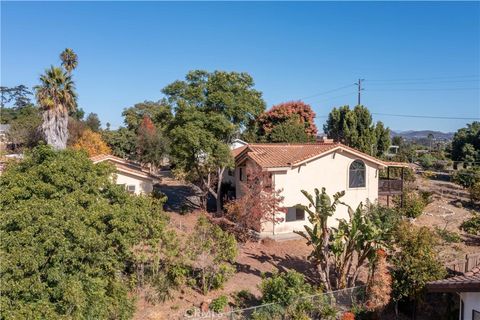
(423, 116)
(421, 82)
(426, 89)
(332, 98)
(329, 91)
(424, 79)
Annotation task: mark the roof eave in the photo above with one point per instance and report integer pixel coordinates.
(457, 287)
(341, 148)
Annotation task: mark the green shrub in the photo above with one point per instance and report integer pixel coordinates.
(427, 161)
(219, 304)
(467, 177)
(284, 288)
(448, 236)
(269, 312)
(415, 262)
(244, 298)
(224, 272)
(472, 225)
(413, 203)
(384, 218)
(287, 290)
(211, 252)
(474, 191)
(68, 234)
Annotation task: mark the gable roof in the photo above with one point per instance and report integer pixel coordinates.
(281, 155)
(467, 282)
(123, 165)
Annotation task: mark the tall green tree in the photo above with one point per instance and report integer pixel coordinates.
(152, 146)
(93, 122)
(122, 141)
(159, 112)
(67, 238)
(466, 143)
(382, 135)
(355, 128)
(211, 109)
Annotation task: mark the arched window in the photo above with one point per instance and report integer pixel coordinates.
(356, 174)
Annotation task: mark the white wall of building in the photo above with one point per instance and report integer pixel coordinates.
(237, 143)
(142, 186)
(471, 301)
(329, 171)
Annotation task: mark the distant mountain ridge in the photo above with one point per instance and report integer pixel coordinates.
(422, 134)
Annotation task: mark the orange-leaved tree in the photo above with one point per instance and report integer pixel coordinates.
(259, 202)
(92, 143)
(287, 122)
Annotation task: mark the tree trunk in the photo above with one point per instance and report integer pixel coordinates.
(324, 275)
(218, 199)
(55, 127)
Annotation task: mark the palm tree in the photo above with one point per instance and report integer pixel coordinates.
(69, 60)
(56, 96)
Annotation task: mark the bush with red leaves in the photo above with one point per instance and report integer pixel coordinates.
(281, 113)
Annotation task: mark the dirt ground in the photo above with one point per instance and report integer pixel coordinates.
(253, 260)
(267, 256)
(450, 207)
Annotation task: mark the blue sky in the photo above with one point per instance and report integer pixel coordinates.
(417, 58)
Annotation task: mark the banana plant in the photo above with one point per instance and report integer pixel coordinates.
(340, 251)
(319, 209)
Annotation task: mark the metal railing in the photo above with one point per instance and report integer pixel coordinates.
(390, 186)
(326, 305)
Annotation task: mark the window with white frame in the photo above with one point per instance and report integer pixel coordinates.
(357, 175)
(131, 188)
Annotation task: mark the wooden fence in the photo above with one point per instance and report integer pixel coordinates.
(464, 265)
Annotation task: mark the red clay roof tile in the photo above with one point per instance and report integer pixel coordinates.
(275, 155)
(468, 282)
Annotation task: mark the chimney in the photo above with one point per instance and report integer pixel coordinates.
(325, 140)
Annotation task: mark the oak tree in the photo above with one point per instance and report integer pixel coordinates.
(211, 110)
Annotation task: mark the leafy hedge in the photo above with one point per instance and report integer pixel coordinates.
(66, 237)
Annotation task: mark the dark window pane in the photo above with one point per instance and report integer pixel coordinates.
(295, 214)
(300, 214)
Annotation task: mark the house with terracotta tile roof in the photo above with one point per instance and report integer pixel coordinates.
(131, 175)
(293, 167)
(467, 286)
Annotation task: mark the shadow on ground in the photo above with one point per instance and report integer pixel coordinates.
(182, 197)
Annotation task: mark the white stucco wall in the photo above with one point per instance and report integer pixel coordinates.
(329, 171)
(237, 143)
(471, 301)
(142, 186)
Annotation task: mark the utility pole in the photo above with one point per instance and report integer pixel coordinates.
(360, 89)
